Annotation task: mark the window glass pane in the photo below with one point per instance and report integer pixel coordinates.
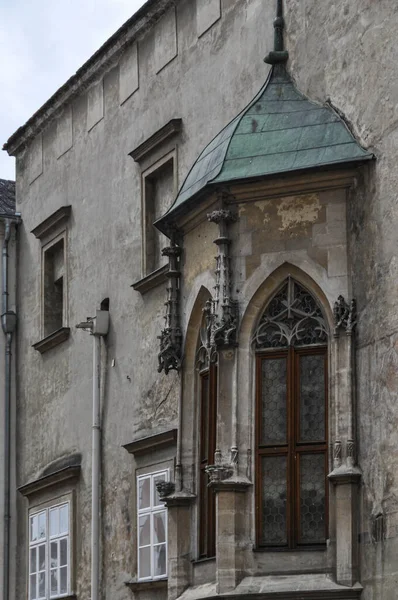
(159, 527)
(54, 555)
(54, 521)
(33, 595)
(42, 585)
(42, 557)
(204, 417)
(145, 530)
(144, 493)
(312, 398)
(42, 525)
(54, 582)
(156, 479)
(63, 519)
(312, 498)
(274, 492)
(273, 401)
(159, 559)
(144, 562)
(34, 528)
(32, 564)
(63, 552)
(64, 580)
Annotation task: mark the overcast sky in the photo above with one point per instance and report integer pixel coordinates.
(43, 43)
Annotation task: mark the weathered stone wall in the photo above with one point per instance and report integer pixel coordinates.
(205, 71)
(343, 52)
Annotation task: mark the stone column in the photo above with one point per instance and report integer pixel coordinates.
(179, 542)
(225, 480)
(346, 475)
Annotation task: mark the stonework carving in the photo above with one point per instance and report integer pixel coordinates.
(337, 454)
(171, 336)
(292, 318)
(165, 488)
(345, 315)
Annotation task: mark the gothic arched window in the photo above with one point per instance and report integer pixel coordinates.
(291, 421)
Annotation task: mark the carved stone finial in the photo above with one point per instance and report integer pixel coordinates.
(345, 316)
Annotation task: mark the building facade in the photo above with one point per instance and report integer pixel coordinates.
(222, 420)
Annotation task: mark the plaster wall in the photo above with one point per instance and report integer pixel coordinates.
(340, 51)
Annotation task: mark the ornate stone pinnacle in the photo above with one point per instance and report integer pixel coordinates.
(345, 315)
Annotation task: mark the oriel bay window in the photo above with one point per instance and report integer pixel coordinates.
(291, 421)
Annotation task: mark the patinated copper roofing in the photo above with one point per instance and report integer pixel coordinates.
(279, 132)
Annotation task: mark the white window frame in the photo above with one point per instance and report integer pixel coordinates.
(150, 511)
(46, 541)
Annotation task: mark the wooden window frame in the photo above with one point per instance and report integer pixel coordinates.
(207, 504)
(292, 449)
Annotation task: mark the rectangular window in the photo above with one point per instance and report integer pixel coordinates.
(291, 432)
(53, 287)
(152, 527)
(49, 553)
(208, 434)
(159, 189)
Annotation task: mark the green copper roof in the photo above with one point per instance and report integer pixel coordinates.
(281, 131)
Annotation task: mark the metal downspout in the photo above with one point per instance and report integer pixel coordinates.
(7, 414)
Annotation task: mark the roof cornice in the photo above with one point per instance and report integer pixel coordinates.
(107, 54)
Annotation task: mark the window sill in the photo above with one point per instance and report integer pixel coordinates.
(152, 280)
(143, 586)
(52, 340)
(320, 548)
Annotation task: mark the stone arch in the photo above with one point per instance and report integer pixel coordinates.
(268, 289)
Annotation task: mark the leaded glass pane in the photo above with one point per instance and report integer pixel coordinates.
(145, 562)
(274, 493)
(64, 580)
(312, 398)
(33, 594)
(159, 527)
(312, 499)
(144, 493)
(159, 560)
(273, 401)
(145, 530)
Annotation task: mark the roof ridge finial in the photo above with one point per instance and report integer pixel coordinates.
(278, 54)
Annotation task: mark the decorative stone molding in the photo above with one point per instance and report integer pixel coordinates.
(151, 281)
(165, 488)
(52, 340)
(337, 454)
(159, 137)
(70, 473)
(171, 336)
(182, 498)
(221, 313)
(345, 316)
(55, 221)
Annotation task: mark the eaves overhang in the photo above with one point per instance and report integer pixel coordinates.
(280, 133)
(108, 53)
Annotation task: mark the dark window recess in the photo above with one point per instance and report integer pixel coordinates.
(54, 266)
(207, 499)
(291, 422)
(159, 195)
